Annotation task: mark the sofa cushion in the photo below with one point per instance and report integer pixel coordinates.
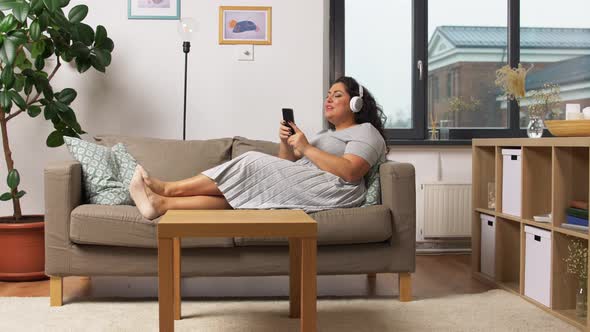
(172, 160)
(371, 224)
(242, 145)
(123, 225)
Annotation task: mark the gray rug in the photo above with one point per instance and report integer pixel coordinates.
(496, 310)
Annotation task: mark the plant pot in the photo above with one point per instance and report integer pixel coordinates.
(22, 249)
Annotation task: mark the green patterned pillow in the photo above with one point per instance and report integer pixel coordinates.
(373, 184)
(125, 164)
(99, 173)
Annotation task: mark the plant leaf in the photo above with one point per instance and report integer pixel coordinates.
(7, 77)
(50, 111)
(82, 64)
(79, 50)
(61, 106)
(103, 57)
(5, 197)
(18, 99)
(13, 179)
(36, 5)
(8, 23)
(51, 5)
(39, 63)
(34, 111)
(37, 48)
(55, 139)
(8, 51)
(19, 83)
(21, 12)
(107, 44)
(5, 101)
(101, 35)
(78, 13)
(67, 96)
(8, 4)
(84, 33)
(20, 194)
(35, 30)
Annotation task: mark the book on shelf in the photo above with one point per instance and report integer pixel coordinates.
(575, 227)
(579, 213)
(579, 205)
(543, 218)
(576, 221)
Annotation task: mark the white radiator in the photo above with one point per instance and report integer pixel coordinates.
(447, 210)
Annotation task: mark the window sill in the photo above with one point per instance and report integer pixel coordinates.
(450, 142)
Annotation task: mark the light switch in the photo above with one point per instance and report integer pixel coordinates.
(245, 52)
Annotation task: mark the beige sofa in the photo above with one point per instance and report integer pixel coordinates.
(100, 240)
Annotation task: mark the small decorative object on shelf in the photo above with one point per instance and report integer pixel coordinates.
(433, 131)
(433, 134)
(491, 195)
(539, 102)
(577, 263)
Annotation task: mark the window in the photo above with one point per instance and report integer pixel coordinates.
(556, 48)
(458, 55)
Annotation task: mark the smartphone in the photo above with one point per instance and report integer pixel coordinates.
(288, 117)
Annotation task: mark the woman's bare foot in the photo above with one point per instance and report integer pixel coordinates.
(156, 201)
(155, 185)
(149, 205)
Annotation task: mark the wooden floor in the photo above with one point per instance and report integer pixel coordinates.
(436, 276)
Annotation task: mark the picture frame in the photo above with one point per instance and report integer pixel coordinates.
(245, 25)
(153, 9)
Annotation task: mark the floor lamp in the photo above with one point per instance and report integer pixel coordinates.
(186, 28)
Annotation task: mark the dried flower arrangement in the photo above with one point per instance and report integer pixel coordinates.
(577, 260)
(544, 100)
(512, 81)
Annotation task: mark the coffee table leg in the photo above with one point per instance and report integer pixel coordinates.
(294, 277)
(177, 278)
(308, 285)
(165, 284)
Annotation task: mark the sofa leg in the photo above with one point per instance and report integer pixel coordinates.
(56, 291)
(405, 287)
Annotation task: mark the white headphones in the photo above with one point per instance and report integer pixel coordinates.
(356, 103)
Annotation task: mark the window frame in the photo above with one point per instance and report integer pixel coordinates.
(420, 91)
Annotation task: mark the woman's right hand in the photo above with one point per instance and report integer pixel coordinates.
(284, 132)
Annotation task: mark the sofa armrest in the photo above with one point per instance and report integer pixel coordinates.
(398, 192)
(63, 193)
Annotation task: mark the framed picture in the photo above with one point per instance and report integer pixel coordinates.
(245, 25)
(154, 9)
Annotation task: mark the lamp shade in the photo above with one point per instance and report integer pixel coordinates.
(187, 27)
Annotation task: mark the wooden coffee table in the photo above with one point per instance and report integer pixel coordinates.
(296, 225)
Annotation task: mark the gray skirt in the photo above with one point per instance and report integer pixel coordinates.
(255, 180)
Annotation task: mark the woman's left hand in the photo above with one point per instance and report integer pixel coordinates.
(298, 140)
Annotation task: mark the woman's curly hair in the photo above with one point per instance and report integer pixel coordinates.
(371, 111)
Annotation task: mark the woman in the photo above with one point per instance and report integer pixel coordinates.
(324, 173)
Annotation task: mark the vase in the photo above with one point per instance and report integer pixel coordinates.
(535, 127)
(582, 298)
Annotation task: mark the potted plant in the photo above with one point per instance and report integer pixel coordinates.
(31, 33)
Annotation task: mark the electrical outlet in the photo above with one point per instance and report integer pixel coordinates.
(245, 52)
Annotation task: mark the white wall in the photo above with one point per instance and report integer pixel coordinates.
(142, 92)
